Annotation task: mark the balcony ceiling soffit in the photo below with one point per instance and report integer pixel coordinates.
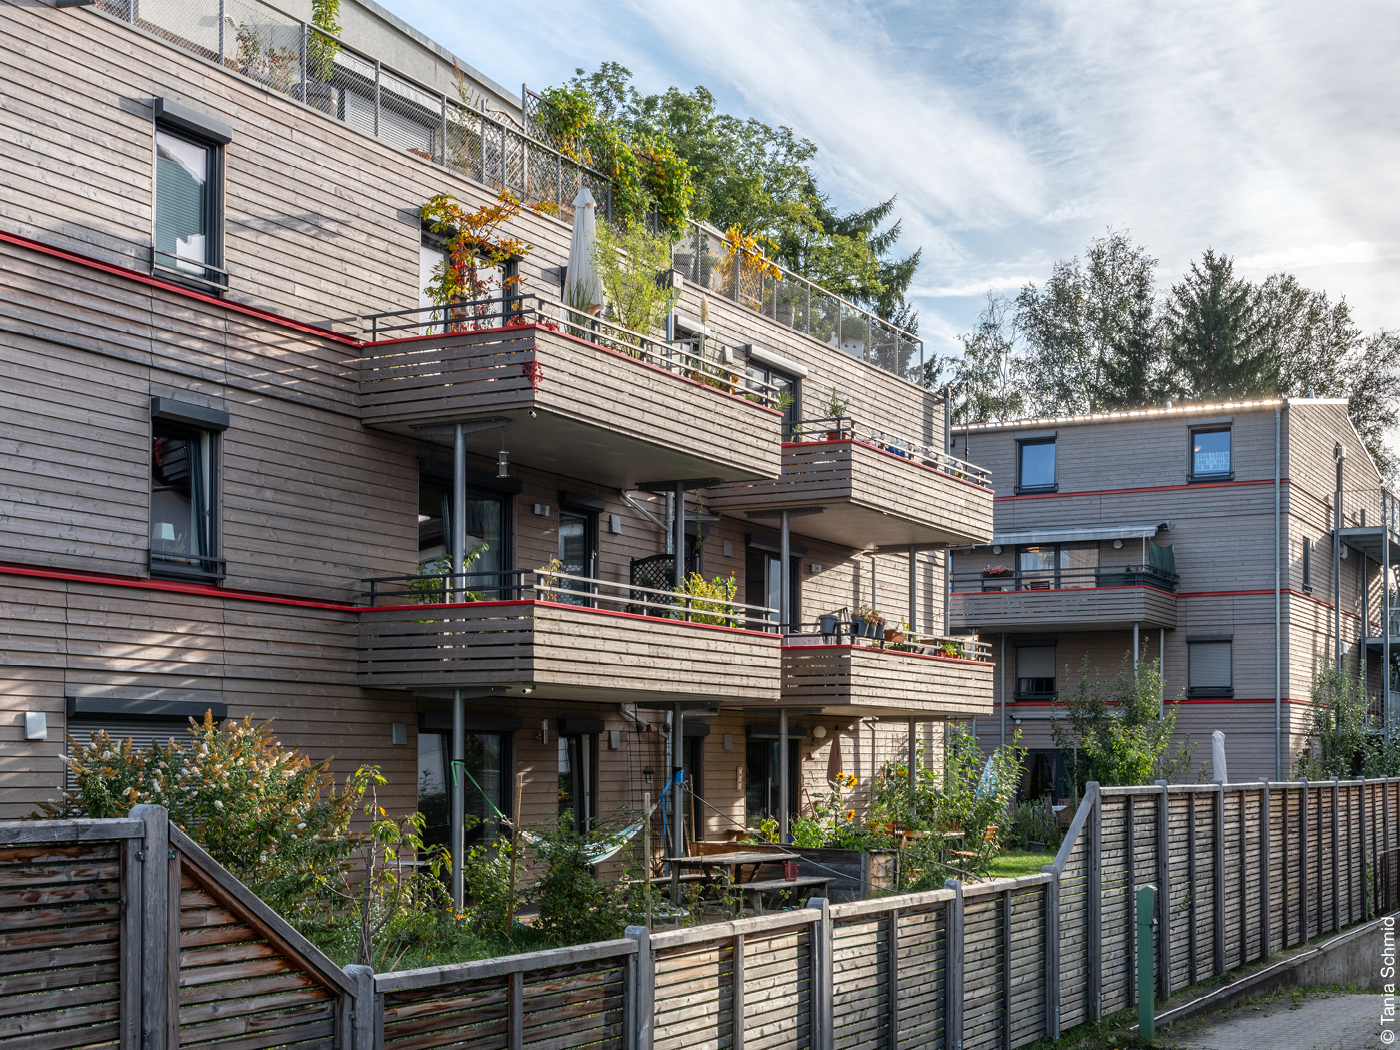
(1080, 533)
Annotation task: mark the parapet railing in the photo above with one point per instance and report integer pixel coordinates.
(707, 363)
(845, 428)
(838, 629)
(993, 578)
(294, 58)
(447, 588)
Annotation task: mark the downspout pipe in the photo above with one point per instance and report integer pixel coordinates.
(1278, 597)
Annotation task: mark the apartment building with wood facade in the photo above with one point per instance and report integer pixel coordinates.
(223, 473)
(1205, 534)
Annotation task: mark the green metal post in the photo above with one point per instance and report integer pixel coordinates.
(1146, 920)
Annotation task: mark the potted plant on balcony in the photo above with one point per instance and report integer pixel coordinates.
(869, 622)
(993, 577)
(835, 408)
(898, 634)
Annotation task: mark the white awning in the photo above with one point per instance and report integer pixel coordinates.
(1080, 533)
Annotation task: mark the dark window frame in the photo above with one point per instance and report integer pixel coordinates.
(1194, 478)
(215, 279)
(1307, 565)
(793, 414)
(1021, 444)
(1224, 692)
(431, 481)
(1033, 693)
(166, 565)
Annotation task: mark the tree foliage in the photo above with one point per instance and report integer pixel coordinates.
(1099, 336)
(1120, 734)
(738, 173)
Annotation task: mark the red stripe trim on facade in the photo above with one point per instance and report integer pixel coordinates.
(1044, 704)
(175, 289)
(1153, 488)
(170, 586)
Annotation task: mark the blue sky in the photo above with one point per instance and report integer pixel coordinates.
(1013, 133)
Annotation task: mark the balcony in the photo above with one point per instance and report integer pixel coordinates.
(563, 637)
(924, 678)
(578, 397)
(874, 490)
(1107, 598)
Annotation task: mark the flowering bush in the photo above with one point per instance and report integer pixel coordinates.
(268, 814)
(712, 611)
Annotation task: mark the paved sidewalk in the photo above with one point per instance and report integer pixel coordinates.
(1315, 1022)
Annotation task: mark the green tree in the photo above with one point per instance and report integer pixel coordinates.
(1120, 734)
(1215, 343)
(1373, 393)
(988, 377)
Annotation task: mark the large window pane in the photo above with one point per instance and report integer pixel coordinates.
(1037, 567)
(1208, 668)
(183, 172)
(482, 786)
(181, 525)
(1037, 467)
(1077, 564)
(485, 550)
(1035, 671)
(1210, 452)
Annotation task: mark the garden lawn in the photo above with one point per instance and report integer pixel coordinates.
(1012, 864)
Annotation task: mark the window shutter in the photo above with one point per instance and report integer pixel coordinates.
(1210, 665)
(1035, 661)
(142, 733)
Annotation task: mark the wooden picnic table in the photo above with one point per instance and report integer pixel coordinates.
(735, 861)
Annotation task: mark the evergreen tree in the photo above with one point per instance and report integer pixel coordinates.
(1215, 345)
(1134, 369)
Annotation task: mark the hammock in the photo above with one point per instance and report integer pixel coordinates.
(594, 852)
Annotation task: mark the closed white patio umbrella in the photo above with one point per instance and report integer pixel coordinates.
(583, 288)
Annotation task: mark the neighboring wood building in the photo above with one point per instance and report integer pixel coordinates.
(1168, 526)
(202, 473)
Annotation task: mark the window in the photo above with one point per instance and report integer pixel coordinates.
(778, 383)
(762, 793)
(1035, 672)
(1208, 668)
(1046, 566)
(487, 758)
(1307, 565)
(187, 220)
(183, 533)
(763, 583)
(1210, 454)
(1035, 465)
(578, 543)
(487, 532)
(578, 758)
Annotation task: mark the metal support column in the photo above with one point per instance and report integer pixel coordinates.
(1003, 689)
(457, 803)
(1278, 613)
(1386, 513)
(1340, 454)
(459, 512)
(913, 589)
(913, 761)
(785, 597)
(1136, 648)
(678, 538)
(783, 800)
(677, 794)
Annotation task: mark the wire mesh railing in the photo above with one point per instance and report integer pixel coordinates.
(710, 259)
(307, 64)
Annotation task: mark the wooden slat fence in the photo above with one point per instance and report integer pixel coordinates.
(124, 933)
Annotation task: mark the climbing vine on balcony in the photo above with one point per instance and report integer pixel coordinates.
(645, 171)
(477, 248)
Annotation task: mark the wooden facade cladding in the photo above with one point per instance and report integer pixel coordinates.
(564, 652)
(1066, 609)
(869, 497)
(598, 414)
(867, 680)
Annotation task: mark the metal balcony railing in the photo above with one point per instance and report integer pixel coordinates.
(565, 589)
(706, 362)
(272, 48)
(1006, 578)
(844, 428)
(840, 629)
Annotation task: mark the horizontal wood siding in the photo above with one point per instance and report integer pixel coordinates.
(596, 390)
(565, 652)
(1068, 609)
(872, 497)
(859, 676)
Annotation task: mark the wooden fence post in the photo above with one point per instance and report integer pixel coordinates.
(1164, 895)
(1361, 857)
(736, 995)
(1336, 857)
(1191, 974)
(953, 988)
(1219, 881)
(1266, 888)
(1052, 953)
(642, 991)
(823, 977)
(154, 859)
(892, 989)
(1005, 971)
(1130, 820)
(1303, 866)
(1094, 902)
(363, 1015)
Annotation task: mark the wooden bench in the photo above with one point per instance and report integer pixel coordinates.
(756, 890)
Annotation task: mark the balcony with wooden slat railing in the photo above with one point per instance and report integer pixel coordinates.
(560, 636)
(874, 489)
(566, 392)
(1105, 598)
